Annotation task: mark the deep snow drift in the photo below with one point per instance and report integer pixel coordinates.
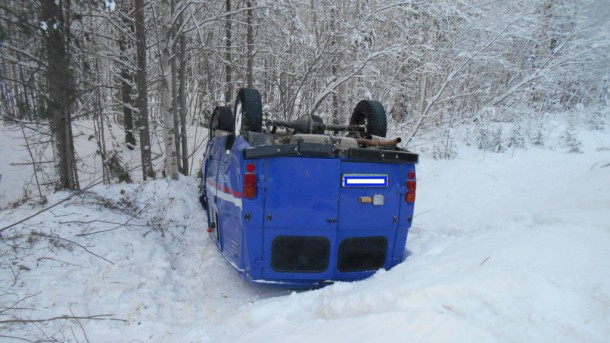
(511, 247)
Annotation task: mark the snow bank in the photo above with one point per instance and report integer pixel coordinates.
(505, 247)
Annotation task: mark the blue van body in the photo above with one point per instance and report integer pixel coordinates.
(318, 214)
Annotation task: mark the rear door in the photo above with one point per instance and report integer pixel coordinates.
(300, 217)
(369, 210)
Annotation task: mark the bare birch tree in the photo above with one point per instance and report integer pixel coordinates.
(166, 42)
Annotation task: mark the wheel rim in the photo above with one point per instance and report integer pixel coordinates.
(362, 121)
(371, 116)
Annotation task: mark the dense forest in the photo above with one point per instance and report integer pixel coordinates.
(162, 66)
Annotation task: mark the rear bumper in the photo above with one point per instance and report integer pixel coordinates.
(289, 284)
(309, 262)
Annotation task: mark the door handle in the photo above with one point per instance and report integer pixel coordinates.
(331, 220)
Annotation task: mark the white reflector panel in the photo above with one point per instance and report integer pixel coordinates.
(353, 180)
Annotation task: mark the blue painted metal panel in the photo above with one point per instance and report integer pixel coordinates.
(210, 169)
(230, 203)
(355, 215)
(301, 199)
(303, 196)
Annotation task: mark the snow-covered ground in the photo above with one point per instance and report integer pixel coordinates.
(510, 247)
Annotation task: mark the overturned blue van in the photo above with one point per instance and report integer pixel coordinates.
(291, 205)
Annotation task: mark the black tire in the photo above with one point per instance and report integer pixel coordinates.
(222, 119)
(372, 115)
(248, 111)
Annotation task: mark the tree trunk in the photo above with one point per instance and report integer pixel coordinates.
(26, 100)
(171, 163)
(174, 88)
(228, 67)
(15, 93)
(334, 70)
(59, 89)
(175, 110)
(250, 62)
(142, 99)
(5, 88)
(130, 139)
(182, 98)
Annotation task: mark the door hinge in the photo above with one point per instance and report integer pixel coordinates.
(264, 184)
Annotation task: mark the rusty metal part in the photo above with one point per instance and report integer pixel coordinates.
(379, 142)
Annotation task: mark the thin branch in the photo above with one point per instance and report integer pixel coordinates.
(41, 211)
(75, 243)
(533, 76)
(27, 145)
(58, 260)
(80, 325)
(449, 79)
(40, 64)
(119, 225)
(51, 206)
(15, 337)
(13, 306)
(64, 317)
(330, 88)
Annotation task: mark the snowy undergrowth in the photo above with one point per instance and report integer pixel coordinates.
(506, 247)
(513, 131)
(19, 183)
(126, 260)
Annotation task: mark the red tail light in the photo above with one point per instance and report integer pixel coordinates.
(250, 181)
(411, 186)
